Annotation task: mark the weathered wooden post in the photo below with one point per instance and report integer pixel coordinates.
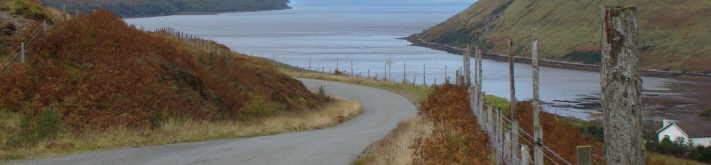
(511, 81)
(44, 26)
(620, 86)
(537, 136)
(584, 155)
(64, 12)
(538, 149)
(351, 67)
(456, 79)
(424, 77)
(76, 11)
(22, 52)
(404, 72)
(514, 123)
(466, 72)
(524, 155)
(507, 147)
(480, 92)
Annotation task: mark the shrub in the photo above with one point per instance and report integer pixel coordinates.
(45, 126)
(258, 107)
(588, 57)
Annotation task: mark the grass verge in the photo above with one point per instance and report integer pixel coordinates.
(395, 147)
(173, 130)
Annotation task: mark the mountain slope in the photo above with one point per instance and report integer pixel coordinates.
(673, 34)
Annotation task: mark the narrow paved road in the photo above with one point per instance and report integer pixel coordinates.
(340, 144)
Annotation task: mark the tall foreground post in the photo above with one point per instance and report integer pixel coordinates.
(620, 86)
(537, 135)
(514, 122)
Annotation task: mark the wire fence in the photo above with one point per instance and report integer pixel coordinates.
(21, 51)
(504, 133)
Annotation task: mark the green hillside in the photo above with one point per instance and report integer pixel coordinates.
(673, 34)
(139, 8)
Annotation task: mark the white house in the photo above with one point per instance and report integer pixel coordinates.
(698, 131)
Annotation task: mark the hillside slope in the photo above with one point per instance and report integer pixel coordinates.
(97, 71)
(673, 34)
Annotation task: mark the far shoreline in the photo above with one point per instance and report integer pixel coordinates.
(203, 13)
(415, 40)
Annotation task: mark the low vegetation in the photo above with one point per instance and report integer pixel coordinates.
(670, 31)
(173, 130)
(97, 83)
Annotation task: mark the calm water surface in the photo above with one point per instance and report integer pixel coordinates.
(365, 31)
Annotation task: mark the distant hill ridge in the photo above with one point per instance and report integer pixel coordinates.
(142, 8)
(673, 34)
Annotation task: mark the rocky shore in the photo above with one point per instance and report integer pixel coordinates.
(683, 99)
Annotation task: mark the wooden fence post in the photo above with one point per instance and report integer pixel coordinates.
(524, 155)
(514, 140)
(511, 80)
(76, 11)
(424, 77)
(620, 86)
(351, 67)
(536, 107)
(538, 149)
(466, 72)
(499, 134)
(64, 12)
(507, 147)
(584, 155)
(22, 52)
(44, 26)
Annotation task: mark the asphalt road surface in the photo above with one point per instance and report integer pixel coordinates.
(340, 144)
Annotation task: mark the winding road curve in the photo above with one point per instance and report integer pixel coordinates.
(340, 144)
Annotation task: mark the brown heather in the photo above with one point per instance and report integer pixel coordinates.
(99, 72)
(456, 137)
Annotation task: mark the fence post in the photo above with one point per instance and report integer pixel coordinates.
(512, 107)
(22, 52)
(64, 12)
(538, 146)
(514, 140)
(404, 72)
(524, 155)
(424, 77)
(44, 26)
(76, 11)
(584, 155)
(351, 67)
(386, 71)
(538, 157)
(456, 77)
(511, 81)
(621, 85)
(507, 146)
(466, 71)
